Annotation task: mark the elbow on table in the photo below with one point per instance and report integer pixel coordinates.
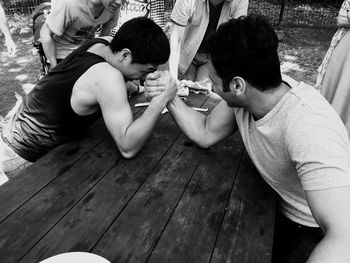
(128, 154)
(204, 144)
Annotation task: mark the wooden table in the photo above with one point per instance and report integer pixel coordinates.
(174, 202)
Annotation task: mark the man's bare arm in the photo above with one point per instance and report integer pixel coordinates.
(176, 36)
(204, 130)
(129, 134)
(46, 38)
(331, 210)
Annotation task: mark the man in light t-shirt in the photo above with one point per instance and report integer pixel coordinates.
(72, 22)
(292, 134)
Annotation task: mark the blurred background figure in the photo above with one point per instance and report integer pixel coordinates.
(333, 79)
(193, 22)
(72, 22)
(153, 9)
(11, 47)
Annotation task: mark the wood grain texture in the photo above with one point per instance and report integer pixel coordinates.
(132, 236)
(23, 187)
(32, 221)
(191, 233)
(83, 226)
(173, 202)
(247, 231)
(135, 232)
(52, 165)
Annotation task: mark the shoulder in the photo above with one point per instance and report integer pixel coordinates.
(104, 74)
(104, 83)
(65, 8)
(101, 79)
(313, 124)
(59, 5)
(182, 11)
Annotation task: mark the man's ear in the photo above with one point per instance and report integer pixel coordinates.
(125, 55)
(238, 85)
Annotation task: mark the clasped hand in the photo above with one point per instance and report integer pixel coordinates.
(160, 83)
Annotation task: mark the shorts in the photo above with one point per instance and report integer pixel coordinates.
(11, 164)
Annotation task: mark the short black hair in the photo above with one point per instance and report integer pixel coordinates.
(247, 47)
(145, 39)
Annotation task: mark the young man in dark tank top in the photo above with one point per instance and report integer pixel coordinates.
(89, 83)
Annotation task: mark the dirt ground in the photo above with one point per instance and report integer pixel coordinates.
(301, 52)
(17, 73)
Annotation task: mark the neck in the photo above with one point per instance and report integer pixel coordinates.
(263, 102)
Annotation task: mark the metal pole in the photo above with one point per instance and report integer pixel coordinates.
(281, 13)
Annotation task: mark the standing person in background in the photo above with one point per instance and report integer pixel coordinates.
(153, 9)
(11, 47)
(72, 22)
(193, 22)
(333, 79)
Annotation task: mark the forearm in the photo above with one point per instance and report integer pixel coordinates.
(137, 133)
(174, 62)
(191, 122)
(49, 47)
(332, 248)
(176, 37)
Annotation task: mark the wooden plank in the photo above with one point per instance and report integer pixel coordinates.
(82, 227)
(133, 235)
(247, 231)
(51, 166)
(21, 188)
(20, 231)
(84, 224)
(191, 233)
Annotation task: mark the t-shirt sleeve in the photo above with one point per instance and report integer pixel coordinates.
(59, 17)
(320, 149)
(240, 8)
(182, 11)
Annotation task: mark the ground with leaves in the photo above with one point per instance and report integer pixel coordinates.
(301, 52)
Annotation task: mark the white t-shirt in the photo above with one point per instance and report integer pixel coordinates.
(301, 144)
(72, 23)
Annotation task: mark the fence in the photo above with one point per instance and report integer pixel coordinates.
(288, 13)
(298, 13)
(21, 6)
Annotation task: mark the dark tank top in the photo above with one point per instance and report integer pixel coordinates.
(46, 119)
